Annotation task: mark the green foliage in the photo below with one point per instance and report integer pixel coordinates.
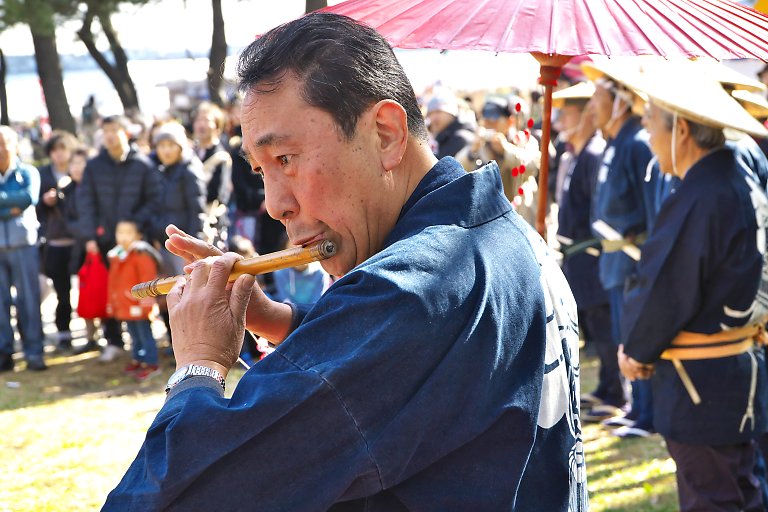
(107, 7)
(41, 15)
(38, 14)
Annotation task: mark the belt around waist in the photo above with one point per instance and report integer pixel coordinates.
(693, 345)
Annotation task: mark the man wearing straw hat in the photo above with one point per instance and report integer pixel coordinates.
(438, 373)
(581, 250)
(694, 320)
(754, 152)
(623, 212)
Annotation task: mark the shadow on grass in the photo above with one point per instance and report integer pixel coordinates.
(70, 376)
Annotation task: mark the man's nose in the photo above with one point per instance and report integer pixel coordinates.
(279, 199)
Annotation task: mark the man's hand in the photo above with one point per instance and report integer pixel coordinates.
(51, 197)
(265, 317)
(499, 143)
(633, 369)
(187, 247)
(207, 317)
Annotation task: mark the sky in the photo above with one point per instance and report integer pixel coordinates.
(173, 24)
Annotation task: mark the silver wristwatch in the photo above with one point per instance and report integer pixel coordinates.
(192, 370)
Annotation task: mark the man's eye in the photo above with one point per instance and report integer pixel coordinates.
(257, 170)
(284, 159)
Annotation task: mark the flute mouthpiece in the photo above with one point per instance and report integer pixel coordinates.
(326, 248)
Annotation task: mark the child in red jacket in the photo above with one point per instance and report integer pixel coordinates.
(131, 262)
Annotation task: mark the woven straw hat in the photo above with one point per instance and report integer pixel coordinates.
(753, 103)
(614, 69)
(725, 75)
(580, 91)
(694, 96)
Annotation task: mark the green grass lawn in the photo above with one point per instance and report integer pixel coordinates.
(68, 435)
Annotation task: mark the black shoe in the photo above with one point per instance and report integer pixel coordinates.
(36, 365)
(6, 363)
(91, 346)
(64, 347)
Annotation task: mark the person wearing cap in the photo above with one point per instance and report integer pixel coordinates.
(443, 121)
(182, 193)
(182, 189)
(693, 321)
(623, 212)
(516, 154)
(581, 250)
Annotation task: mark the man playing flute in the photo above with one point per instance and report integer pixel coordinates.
(439, 373)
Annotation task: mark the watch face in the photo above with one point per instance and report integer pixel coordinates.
(178, 376)
(192, 370)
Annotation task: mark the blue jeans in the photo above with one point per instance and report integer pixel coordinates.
(19, 268)
(143, 343)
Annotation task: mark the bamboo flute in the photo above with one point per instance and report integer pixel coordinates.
(294, 257)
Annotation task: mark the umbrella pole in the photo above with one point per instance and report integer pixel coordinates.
(548, 79)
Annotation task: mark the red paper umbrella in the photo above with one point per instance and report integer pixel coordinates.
(556, 30)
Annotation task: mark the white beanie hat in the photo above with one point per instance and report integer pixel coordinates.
(172, 131)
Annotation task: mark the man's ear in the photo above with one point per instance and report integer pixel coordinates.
(392, 131)
(683, 129)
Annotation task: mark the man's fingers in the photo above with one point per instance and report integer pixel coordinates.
(221, 269)
(187, 246)
(173, 248)
(171, 229)
(199, 276)
(174, 296)
(241, 294)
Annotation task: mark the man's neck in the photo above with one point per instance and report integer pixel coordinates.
(3, 172)
(418, 159)
(614, 126)
(579, 139)
(690, 158)
(208, 143)
(118, 155)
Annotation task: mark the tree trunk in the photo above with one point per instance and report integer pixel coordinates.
(126, 89)
(4, 119)
(217, 56)
(118, 73)
(313, 5)
(52, 81)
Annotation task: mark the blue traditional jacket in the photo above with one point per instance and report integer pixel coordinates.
(440, 374)
(665, 187)
(750, 154)
(703, 270)
(581, 269)
(623, 199)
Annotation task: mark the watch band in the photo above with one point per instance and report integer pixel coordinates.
(194, 370)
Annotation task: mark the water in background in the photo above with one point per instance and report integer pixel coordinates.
(460, 70)
(25, 97)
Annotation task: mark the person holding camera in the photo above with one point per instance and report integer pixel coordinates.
(516, 152)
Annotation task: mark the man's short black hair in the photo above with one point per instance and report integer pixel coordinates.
(345, 68)
(60, 138)
(119, 120)
(581, 103)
